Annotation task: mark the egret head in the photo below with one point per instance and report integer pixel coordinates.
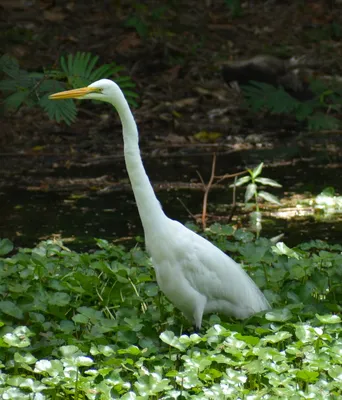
(103, 90)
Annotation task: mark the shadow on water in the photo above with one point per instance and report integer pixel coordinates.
(29, 216)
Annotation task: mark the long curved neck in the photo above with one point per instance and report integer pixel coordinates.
(150, 211)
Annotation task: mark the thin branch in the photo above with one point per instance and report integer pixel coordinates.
(234, 202)
(206, 193)
(227, 176)
(201, 179)
(186, 208)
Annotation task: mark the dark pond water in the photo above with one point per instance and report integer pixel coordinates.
(303, 168)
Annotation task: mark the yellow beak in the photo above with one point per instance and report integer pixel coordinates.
(73, 94)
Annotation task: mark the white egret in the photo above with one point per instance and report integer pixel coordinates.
(194, 275)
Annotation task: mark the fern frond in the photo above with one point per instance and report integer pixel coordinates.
(123, 79)
(59, 110)
(8, 85)
(54, 74)
(323, 121)
(125, 82)
(91, 65)
(105, 71)
(128, 93)
(304, 110)
(9, 65)
(37, 75)
(318, 86)
(75, 67)
(51, 86)
(32, 89)
(64, 67)
(276, 100)
(132, 102)
(71, 68)
(20, 80)
(15, 100)
(79, 69)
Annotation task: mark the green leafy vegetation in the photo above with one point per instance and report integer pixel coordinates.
(253, 191)
(95, 326)
(31, 89)
(318, 112)
(325, 205)
(332, 31)
(235, 7)
(145, 19)
(328, 202)
(253, 182)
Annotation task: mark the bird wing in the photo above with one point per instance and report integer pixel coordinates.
(215, 275)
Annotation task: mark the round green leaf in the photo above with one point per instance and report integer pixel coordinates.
(6, 246)
(279, 315)
(10, 308)
(329, 319)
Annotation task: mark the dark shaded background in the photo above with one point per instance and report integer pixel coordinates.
(173, 51)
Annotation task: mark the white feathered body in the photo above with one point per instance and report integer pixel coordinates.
(198, 278)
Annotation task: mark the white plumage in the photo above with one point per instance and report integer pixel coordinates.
(195, 275)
